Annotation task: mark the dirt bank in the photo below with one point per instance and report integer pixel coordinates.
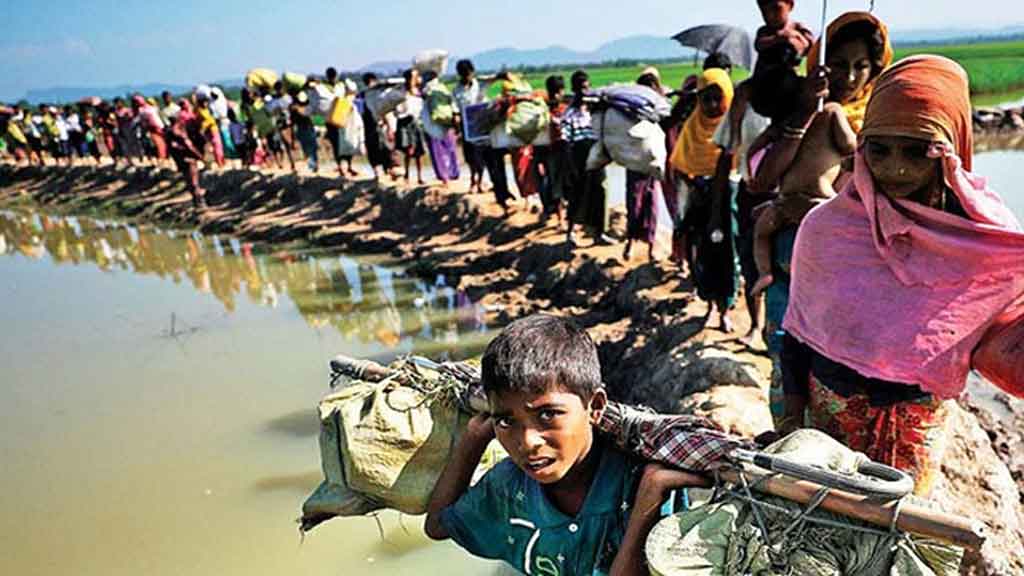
(655, 346)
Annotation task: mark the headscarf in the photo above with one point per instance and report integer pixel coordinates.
(855, 108)
(895, 289)
(695, 153)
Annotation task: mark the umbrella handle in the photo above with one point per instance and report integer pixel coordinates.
(824, 40)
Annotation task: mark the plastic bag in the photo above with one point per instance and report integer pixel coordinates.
(293, 81)
(384, 100)
(261, 78)
(636, 145)
(431, 60)
(528, 119)
(340, 110)
(441, 105)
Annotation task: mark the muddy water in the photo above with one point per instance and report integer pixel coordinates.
(158, 391)
(157, 400)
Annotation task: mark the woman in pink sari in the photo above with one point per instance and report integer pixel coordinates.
(902, 282)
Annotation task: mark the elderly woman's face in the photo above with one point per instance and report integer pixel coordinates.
(711, 101)
(902, 168)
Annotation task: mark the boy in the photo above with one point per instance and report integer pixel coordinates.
(564, 501)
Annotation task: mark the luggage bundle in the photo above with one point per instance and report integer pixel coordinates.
(738, 532)
(440, 104)
(384, 99)
(625, 122)
(386, 434)
(522, 115)
(261, 78)
(431, 61)
(293, 81)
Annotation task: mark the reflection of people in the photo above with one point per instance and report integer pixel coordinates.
(897, 279)
(564, 499)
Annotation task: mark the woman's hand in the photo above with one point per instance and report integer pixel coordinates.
(814, 88)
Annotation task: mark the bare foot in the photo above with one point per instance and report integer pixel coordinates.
(726, 324)
(762, 284)
(752, 338)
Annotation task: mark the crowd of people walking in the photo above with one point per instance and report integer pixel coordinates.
(865, 159)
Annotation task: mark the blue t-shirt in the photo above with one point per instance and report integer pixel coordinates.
(506, 516)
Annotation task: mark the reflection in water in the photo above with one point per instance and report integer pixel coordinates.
(362, 302)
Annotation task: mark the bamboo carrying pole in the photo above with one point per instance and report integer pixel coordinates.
(958, 530)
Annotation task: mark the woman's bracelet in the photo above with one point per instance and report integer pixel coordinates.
(793, 133)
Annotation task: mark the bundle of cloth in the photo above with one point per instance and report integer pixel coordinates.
(261, 78)
(435, 60)
(385, 99)
(626, 123)
(522, 114)
(387, 432)
(733, 534)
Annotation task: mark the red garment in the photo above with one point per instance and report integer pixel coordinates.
(526, 175)
(908, 436)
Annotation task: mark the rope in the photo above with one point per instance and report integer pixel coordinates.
(896, 515)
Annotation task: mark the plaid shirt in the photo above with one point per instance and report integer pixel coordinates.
(686, 442)
(576, 125)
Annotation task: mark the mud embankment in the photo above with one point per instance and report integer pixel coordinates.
(650, 328)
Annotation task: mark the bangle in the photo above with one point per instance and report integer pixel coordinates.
(791, 133)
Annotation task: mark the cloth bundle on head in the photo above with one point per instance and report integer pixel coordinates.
(695, 153)
(857, 105)
(894, 289)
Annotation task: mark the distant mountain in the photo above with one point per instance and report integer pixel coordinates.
(62, 94)
(76, 93)
(639, 47)
(629, 48)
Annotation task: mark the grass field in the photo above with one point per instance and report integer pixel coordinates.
(995, 68)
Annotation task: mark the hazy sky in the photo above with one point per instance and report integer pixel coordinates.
(102, 43)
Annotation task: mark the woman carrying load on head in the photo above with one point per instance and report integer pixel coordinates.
(898, 279)
(708, 222)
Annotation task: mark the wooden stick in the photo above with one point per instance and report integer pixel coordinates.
(957, 530)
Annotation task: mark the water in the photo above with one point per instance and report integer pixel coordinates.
(158, 400)
(159, 387)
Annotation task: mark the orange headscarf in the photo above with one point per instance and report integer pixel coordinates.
(695, 152)
(946, 280)
(857, 105)
(925, 98)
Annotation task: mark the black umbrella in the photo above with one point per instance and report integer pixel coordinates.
(729, 40)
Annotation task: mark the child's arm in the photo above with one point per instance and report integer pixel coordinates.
(458, 473)
(655, 484)
(843, 137)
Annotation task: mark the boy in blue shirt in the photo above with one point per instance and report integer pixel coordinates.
(565, 501)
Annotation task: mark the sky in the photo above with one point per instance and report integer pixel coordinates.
(108, 43)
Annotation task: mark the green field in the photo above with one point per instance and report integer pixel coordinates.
(995, 68)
